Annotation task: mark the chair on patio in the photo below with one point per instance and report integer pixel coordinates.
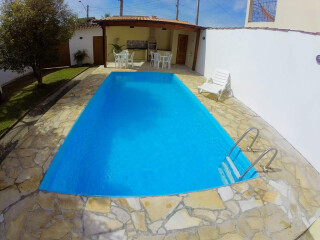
(156, 60)
(217, 84)
(151, 58)
(116, 58)
(167, 61)
(131, 59)
(124, 58)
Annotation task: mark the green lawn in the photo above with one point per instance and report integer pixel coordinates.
(31, 95)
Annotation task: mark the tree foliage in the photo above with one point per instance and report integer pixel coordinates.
(31, 32)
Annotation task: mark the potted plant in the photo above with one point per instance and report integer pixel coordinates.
(117, 48)
(79, 56)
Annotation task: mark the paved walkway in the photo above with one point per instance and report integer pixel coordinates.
(278, 205)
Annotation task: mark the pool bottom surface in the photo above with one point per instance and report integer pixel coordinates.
(142, 134)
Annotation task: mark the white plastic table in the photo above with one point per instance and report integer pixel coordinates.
(163, 58)
(124, 59)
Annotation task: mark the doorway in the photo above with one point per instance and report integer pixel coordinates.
(182, 49)
(97, 50)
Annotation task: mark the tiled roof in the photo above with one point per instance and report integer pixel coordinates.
(88, 26)
(146, 19)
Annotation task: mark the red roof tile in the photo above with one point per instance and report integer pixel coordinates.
(146, 19)
(88, 26)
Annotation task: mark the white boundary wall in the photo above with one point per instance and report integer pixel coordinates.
(274, 73)
(75, 43)
(8, 76)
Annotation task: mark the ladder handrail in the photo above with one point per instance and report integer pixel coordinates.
(259, 158)
(265, 168)
(243, 135)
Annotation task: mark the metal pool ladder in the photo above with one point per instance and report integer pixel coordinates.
(226, 173)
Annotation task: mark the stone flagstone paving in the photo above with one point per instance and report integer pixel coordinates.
(278, 205)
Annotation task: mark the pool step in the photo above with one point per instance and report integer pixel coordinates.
(228, 170)
(233, 167)
(223, 177)
(226, 173)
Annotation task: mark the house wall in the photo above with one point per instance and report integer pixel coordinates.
(292, 14)
(75, 43)
(166, 40)
(163, 38)
(120, 35)
(190, 48)
(275, 74)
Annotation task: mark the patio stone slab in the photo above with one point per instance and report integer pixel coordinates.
(232, 236)
(139, 221)
(70, 202)
(98, 204)
(208, 233)
(57, 230)
(206, 199)
(160, 207)
(181, 220)
(8, 197)
(154, 227)
(95, 224)
(46, 200)
(207, 215)
(16, 227)
(130, 204)
(121, 214)
(250, 204)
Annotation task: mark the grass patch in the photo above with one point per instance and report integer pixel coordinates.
(29, 96)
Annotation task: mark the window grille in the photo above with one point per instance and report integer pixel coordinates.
(263, 10)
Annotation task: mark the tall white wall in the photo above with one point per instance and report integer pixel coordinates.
(76, 43)
(275, 74)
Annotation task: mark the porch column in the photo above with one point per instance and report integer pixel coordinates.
(104, 45)
(196, 47)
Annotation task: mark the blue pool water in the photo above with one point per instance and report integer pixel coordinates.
(142, 134)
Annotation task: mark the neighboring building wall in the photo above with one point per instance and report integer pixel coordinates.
(8, 76)
(86, 42)
(75, 44)
(300, 15)
(274, 73)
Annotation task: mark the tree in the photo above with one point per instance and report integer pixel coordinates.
(106, 15)
(31, 32)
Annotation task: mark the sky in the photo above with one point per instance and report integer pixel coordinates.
(213, 13)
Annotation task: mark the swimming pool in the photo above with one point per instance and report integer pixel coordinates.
(142, 134)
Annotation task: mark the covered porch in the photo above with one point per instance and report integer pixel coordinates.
(144, 34)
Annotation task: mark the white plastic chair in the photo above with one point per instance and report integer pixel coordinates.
(116, 58)
(131, 59)
(124, 58)
(217, 84)
(167, 61)
(156, 60)
(152, 58)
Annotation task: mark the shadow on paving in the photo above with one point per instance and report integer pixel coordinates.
(19, 129)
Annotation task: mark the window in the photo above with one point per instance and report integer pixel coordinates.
(263, 10)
